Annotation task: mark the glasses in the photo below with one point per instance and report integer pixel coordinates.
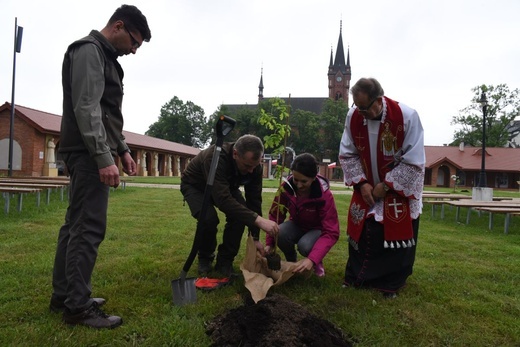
(135, 43)
(364, 110)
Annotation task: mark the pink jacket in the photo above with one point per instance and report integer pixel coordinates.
(318, 211)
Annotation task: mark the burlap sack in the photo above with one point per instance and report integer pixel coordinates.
(257, 275)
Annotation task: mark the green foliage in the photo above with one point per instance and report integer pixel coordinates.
(275, 121)
(332, 122)
(182, 123)
(309, 132)
(503, 107)
(305, 135)
(247, 121)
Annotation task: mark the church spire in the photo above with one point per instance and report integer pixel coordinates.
(339, 60)
(339, 72)
(261, 86)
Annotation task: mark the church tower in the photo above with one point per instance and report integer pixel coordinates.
(339, 72)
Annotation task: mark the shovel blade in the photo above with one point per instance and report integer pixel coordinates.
(184, 291)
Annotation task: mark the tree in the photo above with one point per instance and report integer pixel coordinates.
(274, 117)
(319, 135)
(182, 123)
(332, 123)
(503, 107)
(247, 121)
(305, 135)
(275, 121)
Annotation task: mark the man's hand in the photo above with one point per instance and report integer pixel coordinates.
(379, 191)
(129, 166)
(366, 192)
(109, 175)
(269, 226)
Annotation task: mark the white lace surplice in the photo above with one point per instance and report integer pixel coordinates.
(407, 177)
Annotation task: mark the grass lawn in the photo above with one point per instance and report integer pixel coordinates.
(464, 290)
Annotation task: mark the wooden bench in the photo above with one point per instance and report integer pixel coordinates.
(53, 180)
(444, 196)
(47, 186)
(20, 191)
(435, 203)
(508, 211)
(435, 199)
(478, 205)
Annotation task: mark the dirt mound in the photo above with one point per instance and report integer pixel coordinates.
(274, 321)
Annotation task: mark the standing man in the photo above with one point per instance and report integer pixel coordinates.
(382, 156)
(239, 165)
(91, 137)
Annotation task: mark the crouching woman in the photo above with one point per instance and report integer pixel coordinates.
(313, 226)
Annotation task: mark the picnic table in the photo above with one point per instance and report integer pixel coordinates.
(508, 211)
(510, 207)
(444, 196)
(47, 186)
(38, 184)
(439, 198)
(20, 191)
(46, 180)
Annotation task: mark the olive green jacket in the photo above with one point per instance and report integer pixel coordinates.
(228, 179)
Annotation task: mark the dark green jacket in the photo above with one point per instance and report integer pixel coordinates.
(92, 97)
(227, 179)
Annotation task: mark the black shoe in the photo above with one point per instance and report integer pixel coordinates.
(92, 317)
(226, 270)
(205, 266)
(58, 306)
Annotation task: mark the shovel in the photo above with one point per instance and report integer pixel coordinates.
(183, 288)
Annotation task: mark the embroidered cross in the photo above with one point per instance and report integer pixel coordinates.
(359, 139)
(396, 205)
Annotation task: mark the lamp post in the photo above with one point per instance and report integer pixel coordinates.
(483, 179)
(18, 31)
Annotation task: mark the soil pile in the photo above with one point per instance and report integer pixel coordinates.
(274, 321)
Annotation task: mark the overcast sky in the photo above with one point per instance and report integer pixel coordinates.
(426, 54)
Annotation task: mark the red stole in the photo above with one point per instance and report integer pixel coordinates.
(397, 220)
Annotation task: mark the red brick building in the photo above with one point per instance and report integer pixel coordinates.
(36, 140)
(502, 166)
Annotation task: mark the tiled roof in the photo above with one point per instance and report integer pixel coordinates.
(469, 158)
(310, 104)
(314, 105)
(50, 123)
(43, 121)
(143, 141)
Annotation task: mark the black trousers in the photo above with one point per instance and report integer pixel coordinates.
(81, 234)
(373, 266)
(233, 229)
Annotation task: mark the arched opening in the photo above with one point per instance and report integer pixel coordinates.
(4, 155)
(443, 176)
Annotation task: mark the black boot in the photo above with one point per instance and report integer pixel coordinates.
(205, 265)
(225, 268)
(92, 317)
